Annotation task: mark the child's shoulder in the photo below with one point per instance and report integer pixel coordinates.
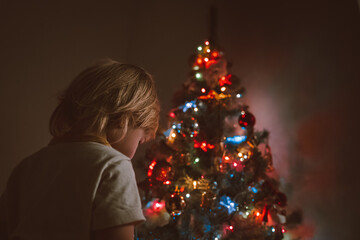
(76, 154)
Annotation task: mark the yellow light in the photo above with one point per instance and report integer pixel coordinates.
(223, 89)
(208, 50)
(257, 214)
(194, 183)
(173, 135)
(203, 90)
(196, 109)
(240, 154)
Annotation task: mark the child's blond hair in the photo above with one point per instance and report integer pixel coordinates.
(104, 96)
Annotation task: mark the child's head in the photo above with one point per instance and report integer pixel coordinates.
(109, 95)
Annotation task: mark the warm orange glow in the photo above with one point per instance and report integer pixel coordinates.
(203, 90)
(199, 61)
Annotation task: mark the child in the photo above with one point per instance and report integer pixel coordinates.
(82, 185)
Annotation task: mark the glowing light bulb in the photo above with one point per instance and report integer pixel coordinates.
(198, 75)
(157, 205)
(223, 89)
(231, 227)
(194, 184)
(235, 164)
(174, 126)
(196, 109)
(238, 95)
(273, 229)
(257, 214)
(196, 67)
(208, 50)
(197, 160)
(172, 114)
(207, 43)
(203, 90)
(247, 213)
(188, 195)
(199, 48)
(240, 154)
(206, 59)
(173, 135)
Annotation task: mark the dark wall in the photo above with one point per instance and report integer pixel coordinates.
(298, 61)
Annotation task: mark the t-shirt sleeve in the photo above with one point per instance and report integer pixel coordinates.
(117, 199)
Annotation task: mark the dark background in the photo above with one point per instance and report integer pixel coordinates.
(298, 60)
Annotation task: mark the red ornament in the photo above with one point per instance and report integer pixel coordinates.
(265, 213)
(246, 119)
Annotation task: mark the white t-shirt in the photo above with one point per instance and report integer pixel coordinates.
(66, 190)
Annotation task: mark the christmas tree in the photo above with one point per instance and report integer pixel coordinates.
(209, 173)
